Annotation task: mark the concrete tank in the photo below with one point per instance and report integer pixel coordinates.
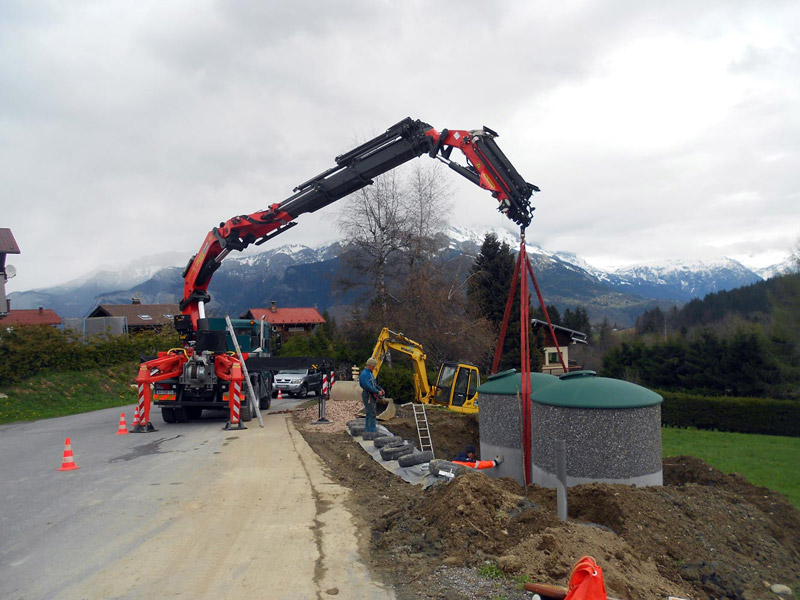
(612, 428)
(500, 420)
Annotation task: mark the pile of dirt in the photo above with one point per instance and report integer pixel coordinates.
(702, 535)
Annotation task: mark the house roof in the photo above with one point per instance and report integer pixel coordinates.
(139, 315)
(8, 244)
(31, 316)
(285, 316)
(563, 334)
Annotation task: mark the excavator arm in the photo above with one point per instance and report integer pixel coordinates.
(391, 340)
(486, 166)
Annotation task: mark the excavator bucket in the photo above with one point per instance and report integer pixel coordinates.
(389, 413)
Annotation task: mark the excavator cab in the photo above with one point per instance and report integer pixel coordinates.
(456, 387)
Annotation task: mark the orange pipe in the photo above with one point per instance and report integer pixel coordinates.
(478, 464)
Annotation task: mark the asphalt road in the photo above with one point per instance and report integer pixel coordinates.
(190, 511)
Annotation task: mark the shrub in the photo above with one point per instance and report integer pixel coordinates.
(722, 413)
(27, 351)
(398, 382)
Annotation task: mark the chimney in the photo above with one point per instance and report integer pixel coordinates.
(136, 300)
(272, 306)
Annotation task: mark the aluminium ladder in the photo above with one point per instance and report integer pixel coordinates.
(423, 430)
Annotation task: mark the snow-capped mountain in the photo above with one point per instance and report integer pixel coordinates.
(788, 265)
(298, 275)
(470, 240)
(682, 280)
(76, 298)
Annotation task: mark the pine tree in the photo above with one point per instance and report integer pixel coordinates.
(487, 291)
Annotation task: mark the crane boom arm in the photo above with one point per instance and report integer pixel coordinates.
(486, 167)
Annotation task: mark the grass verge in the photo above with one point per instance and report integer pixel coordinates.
(55, 394)
(767, 460)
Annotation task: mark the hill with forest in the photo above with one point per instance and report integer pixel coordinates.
(742, 342)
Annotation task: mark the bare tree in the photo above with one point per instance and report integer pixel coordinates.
(428, 311)
(373, 223)
(396, 216)
(426, 204)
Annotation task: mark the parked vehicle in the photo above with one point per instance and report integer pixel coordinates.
(299, 382)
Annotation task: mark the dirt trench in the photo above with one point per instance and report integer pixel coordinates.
(703, 535)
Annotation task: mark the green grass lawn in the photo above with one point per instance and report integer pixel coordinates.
(767, 460)
(69, 392)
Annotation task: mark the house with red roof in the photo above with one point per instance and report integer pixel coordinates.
(287, 321)
(30, 316)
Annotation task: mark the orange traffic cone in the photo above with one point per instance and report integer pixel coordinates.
(123, 427)
(136, 416)
(280, 396)
(68, 462)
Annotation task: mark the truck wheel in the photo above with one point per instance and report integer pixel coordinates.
(168, 414)
(303, 393)
(246, 414)
(438, 465)
(386, 440)
(265, 402)
(180, 415)
(395, 452)
(415, 458)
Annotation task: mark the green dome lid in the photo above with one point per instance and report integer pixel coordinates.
(508, 383)
(584, 389)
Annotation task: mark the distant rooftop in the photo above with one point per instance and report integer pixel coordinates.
(8, 244)
(285, 316)
(31, 316)
(139, 314)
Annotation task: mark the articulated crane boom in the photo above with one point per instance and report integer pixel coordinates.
(486, 166)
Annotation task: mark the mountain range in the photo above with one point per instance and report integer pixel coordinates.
(297, 275)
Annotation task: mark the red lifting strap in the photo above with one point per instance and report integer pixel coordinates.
(523, 269)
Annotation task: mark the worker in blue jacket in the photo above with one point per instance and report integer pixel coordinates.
(370, 391)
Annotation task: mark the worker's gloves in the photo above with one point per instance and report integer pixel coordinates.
(498, 459)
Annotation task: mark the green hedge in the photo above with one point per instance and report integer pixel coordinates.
(722, 413)
(27, 351)
(398, 382)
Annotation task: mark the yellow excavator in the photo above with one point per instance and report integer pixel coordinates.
(456, 385)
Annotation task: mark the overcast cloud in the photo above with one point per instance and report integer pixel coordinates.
(655, 130)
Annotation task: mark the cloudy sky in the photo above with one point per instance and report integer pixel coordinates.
(656, 130)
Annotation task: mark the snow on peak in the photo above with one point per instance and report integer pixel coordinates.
(462, 235)
(673, 267)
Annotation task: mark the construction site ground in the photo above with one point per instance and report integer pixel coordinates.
(703, 535)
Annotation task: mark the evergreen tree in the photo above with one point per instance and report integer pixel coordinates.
(577, 320)
(487, 292)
